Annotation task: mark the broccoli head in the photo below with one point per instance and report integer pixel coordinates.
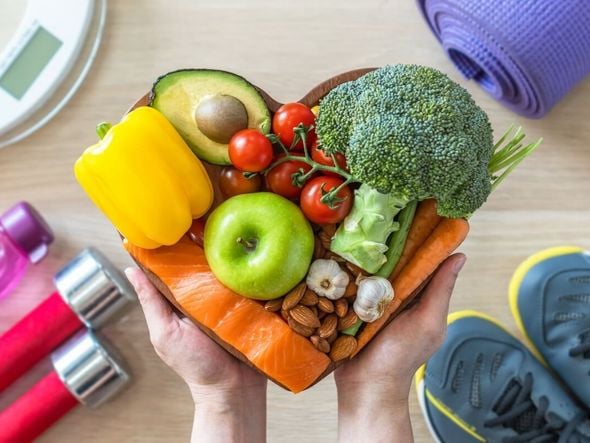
(411, 131)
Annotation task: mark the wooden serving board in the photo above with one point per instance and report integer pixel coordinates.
(310, 99)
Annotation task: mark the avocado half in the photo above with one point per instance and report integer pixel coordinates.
(207, 107)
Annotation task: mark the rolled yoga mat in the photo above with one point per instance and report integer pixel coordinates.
(528, 54)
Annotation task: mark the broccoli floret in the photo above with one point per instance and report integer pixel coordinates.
(411, 131)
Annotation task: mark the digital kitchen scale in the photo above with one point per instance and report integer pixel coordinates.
(46, 61)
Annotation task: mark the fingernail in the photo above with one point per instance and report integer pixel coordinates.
(459, 262)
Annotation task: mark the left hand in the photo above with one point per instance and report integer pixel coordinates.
(204, 365)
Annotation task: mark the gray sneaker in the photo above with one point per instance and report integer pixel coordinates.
(484, 385)
(550, 300)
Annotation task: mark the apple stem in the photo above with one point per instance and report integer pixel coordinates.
(250, 245)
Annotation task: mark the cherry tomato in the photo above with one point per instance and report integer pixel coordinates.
(250, 150)
(279, 179)
(232, 182)
(319, 156)
(196, 231)
(290, 116)
(317, 211)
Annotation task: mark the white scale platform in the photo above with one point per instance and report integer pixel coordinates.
(45, 62)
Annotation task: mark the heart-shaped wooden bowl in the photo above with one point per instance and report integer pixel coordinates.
(310, 99)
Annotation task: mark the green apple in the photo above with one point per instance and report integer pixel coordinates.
(259, 245)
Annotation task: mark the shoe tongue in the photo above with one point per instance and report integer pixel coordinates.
(525, 421)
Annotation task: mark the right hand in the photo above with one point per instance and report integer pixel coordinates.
(388, 363)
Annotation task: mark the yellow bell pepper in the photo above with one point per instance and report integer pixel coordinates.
(145, 179)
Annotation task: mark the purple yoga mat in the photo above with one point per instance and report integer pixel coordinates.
(526, 53)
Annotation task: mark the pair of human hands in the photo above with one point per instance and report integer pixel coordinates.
(230, 397)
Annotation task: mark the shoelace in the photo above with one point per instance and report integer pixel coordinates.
(583, 349)
(516, 410)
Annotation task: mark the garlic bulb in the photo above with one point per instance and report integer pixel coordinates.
(325, 278)
(372, 297)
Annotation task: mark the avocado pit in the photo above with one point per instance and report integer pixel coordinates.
(220, 116)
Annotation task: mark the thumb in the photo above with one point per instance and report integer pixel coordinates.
(157, 311)
(434, 303)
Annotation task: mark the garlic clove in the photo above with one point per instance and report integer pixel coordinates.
(373, 295)
(327, 279)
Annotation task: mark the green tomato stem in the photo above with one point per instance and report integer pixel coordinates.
(249, 175)
(308, 174)
(318, 167)
(331, 198)
(300, 177)
(305, 148)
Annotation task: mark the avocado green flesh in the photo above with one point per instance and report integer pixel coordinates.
(178, 94)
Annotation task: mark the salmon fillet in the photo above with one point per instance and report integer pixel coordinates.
(261, 336)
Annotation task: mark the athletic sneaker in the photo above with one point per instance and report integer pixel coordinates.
(550, 300)
(484, 385)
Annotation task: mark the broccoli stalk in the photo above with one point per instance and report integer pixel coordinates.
(509, 151)
(398, 239)
(362, 237)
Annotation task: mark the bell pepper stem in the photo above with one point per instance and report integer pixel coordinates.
(102, 129)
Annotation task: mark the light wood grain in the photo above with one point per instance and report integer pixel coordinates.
(285, 47)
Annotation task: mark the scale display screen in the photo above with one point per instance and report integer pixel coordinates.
(29, 62)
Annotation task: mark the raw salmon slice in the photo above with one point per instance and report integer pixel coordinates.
(262, 336)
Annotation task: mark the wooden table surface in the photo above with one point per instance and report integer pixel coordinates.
(286, 49)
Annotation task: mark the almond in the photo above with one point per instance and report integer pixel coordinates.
(315, 311)
(320, 343)
(292, 298)
(318, 249)
(341, 307)
(343, 347)
(351, 289)
(274, 305)
(305, 316)
(354, 269)
(329, 229)
(325, 305)
(332, 338)
(285, 315)
(329, 255)
(321, 314)
(328, 327)
(299, 328)
(347, 321)
(325, 239)
(309, 298)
